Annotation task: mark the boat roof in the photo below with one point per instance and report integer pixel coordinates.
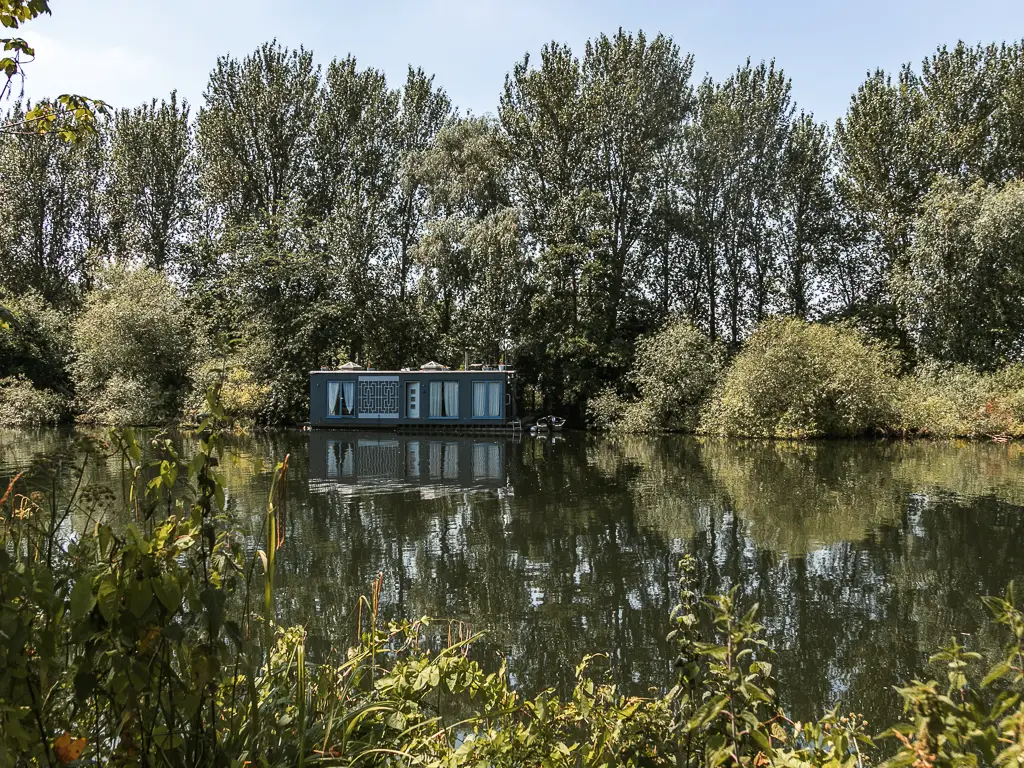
(374, 371)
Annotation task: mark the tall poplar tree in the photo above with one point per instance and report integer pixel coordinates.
(151, 200)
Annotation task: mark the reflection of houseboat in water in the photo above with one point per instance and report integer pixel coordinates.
(354, 459)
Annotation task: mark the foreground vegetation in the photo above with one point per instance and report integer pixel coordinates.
(155, 643)
(321, 214)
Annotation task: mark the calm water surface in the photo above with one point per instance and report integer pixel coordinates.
(864, 557)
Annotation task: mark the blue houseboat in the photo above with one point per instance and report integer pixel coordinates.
(432, 396)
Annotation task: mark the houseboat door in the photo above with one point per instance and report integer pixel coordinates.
(412, 400)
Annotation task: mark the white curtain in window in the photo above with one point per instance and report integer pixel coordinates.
(451, 399)
(435, 398)
(348, 398)
(333, 398)
(494, 399)
(479, 399)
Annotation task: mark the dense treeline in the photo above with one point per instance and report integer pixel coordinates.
(319, 213)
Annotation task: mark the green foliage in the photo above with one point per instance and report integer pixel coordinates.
(22, 403)
(253, 130)
(958, 116)
(134, 345)
(35, 340)
(46, 247)
(325, 214)
(969, 721)
(588, 214)
(472, 252)
(674, 372)
(795, 379)
(69, 116)
(152, 185)
(961, 285)
(245, 399)
(957, 401)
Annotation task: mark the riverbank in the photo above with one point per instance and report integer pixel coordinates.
(801, 380)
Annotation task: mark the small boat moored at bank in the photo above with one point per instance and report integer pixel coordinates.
(548, 424)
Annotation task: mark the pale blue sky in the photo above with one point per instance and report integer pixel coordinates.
(127, 51)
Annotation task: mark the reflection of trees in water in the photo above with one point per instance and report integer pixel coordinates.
(863, 556)
(898, 542)
(553, 572)
(796, 497)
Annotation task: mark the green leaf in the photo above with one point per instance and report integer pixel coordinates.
(761, 740)
(998, 671)
(707, 713)
(82, 598)
(108, 597)
(141, 598)
(168, 591)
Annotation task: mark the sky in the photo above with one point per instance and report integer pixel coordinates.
(130, 51)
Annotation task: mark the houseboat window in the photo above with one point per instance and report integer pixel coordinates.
(486, 399)
(341, 398)
(444, 399)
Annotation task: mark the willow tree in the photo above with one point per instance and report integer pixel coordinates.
(958, 116)
(960, 288)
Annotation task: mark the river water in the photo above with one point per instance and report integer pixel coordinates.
(864, 557)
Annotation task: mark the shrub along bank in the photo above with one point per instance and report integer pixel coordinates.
(135, 355)
(156, 643)
(793, 379)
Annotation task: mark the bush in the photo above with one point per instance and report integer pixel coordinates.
(798, 379)
(22, 403)
(245, 399)
(35, 341)
(674, 372)
(134, 347)
(607, 409)
(958, 401)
